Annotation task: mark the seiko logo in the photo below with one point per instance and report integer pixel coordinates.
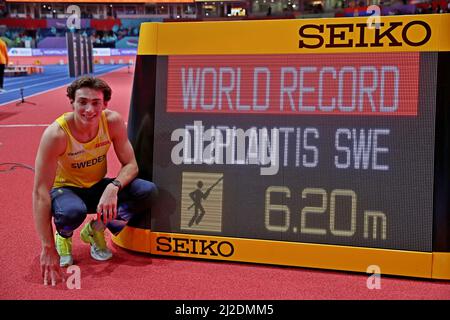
(195, 246)
(340, 35)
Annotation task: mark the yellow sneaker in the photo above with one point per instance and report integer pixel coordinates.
(99, 250)
(64, 248)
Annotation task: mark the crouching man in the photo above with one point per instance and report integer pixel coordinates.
(70, 182)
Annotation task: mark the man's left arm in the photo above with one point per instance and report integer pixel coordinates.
(129, 170)
(123, 149)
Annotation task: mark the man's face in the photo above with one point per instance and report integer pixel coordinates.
(88, 105)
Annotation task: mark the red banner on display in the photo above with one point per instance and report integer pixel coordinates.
(326, 84)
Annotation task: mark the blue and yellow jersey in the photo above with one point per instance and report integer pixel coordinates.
(83, 164)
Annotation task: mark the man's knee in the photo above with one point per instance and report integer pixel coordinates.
(70, 217)
(142, 189)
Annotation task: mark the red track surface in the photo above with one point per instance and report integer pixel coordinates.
(138, 276)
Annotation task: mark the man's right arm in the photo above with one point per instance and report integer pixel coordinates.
(53, 143)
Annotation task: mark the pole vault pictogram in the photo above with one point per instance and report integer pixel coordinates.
(197, 197)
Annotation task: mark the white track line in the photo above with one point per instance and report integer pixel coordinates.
(20, 99)
(65, 78)
(39, 84)
(50, 75)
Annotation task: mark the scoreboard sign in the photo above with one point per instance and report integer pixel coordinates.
(309, 149)
(309, 143)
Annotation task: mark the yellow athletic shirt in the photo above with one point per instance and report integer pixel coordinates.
(83, 164)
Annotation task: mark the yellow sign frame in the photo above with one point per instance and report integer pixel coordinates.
(340, 35)
(283, 36)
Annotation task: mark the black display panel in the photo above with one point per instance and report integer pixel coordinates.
(330, 149)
